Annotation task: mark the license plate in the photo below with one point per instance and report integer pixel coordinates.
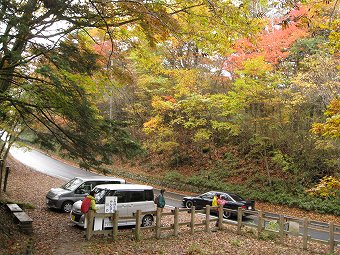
(73, 217)
(46, 200)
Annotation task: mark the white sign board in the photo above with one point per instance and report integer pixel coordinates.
(110, 204)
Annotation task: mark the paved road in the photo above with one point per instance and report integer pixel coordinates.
(55, 168)
(45, 164)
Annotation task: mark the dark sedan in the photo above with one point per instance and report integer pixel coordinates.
(233, 202)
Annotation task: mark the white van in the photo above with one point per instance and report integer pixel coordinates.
(75, 189)
(130, 198)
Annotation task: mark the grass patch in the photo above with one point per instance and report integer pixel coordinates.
(195, 249)
(235, 242)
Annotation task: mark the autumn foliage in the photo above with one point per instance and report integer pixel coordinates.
(331, 127)
(329, 186)
(272, 43)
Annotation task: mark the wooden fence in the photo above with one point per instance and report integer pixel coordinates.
(280, 226)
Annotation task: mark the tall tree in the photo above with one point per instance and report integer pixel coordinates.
(32, 29)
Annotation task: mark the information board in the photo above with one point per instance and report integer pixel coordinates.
(110, 204)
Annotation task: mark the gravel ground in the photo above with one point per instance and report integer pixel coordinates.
(54, 234)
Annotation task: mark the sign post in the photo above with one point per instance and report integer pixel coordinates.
(110, 207)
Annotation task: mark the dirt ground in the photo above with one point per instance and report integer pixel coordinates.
(54, 234)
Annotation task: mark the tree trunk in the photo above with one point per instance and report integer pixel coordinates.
(12, 57)
(267, 167)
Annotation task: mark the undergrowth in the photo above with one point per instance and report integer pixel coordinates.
(278, 193)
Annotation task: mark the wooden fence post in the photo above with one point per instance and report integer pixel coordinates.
(158, 222)
(6, 177)
(259, 223)
(138, 224)
(192, 220)
(1, 163)
(207, 218)
(220, 217)
(281, 230)
(331, 237)
(305, 233)
(89, 228)
(239, 220)
(176, 217)
(115, 225)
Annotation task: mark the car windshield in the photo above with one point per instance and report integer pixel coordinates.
(72, 184)
(236, 197)
(207, 195)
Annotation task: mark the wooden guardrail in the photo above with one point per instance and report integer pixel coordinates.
(281, 224)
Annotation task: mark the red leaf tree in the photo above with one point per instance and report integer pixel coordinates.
(272, 43)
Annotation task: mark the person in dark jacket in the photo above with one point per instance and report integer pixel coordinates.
(161, 199)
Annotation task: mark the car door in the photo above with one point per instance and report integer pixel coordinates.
(121, 208)
(83, 190)
(136, 202)
(122, 205)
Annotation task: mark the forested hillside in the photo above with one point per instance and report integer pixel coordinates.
(217, 94)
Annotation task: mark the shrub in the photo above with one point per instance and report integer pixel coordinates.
(273, 226)
(266, 235)
(219, 171)
(173, 176)
(328, 186)
(197, 180)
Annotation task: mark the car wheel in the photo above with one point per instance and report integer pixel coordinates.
(147, 221)
(67, 206)
(226, 214)
(188, 204)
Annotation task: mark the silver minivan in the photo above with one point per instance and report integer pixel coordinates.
(130, 198)
(75, 189)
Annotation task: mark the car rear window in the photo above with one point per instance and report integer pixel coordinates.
(236, 197)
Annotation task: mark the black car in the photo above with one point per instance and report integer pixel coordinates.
(233, 202)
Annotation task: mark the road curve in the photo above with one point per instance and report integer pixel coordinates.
(47, 165)
(55, 168)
